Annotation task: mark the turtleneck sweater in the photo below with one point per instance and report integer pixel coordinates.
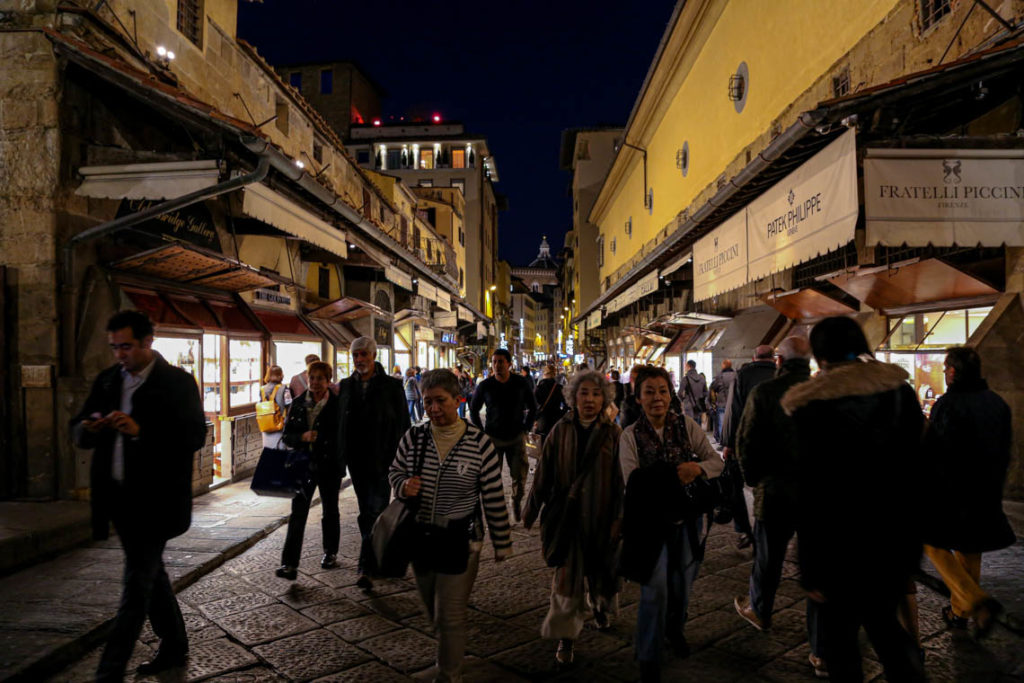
(446, 437)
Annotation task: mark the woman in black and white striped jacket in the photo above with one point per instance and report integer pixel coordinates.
(450, 468)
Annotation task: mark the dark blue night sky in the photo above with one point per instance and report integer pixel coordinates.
(517, 72)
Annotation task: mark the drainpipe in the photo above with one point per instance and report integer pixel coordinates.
(110, 227)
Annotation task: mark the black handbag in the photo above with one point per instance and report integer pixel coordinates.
(444, 549)
(283, 474)
(395, 534)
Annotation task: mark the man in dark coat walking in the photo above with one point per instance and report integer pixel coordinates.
(858, 425)
(372, 419)
(968, 446)
(766, 446)
(761, 369)
(144, 418)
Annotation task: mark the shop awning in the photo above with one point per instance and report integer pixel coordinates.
(283, 322)
(909, 282)
(165, 180)
(197, 266)
(748, 330)
(681, 341)
(800, 304)
(692, 318)
(191, 312)
(262, 203)
(347, 309)
(338, 334)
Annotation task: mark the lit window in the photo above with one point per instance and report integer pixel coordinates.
(426, 159)
(326, 81)
(458, 159)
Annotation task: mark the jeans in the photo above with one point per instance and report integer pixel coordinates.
(373, 495)
(961, 573)
(329, 483)
(415, 412)
(771, 538)
(147, 592)
(445, 596)
(665, 598)
(720, 415)
(514, 453)
(896, 649)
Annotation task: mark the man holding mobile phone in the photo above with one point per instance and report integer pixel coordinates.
(144, 420)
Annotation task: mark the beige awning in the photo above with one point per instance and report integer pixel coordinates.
(262, 203)
(165, 180)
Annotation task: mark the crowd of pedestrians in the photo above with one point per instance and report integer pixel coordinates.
(843, 460)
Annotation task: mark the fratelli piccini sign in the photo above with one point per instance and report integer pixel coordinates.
(944, 197)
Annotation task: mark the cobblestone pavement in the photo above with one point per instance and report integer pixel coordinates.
(247, 625)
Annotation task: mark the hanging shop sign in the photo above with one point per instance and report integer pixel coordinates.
(720, 259)
(445, 319)
(465, 315)
(193, 223)
(594, 320)
(944, 197)
(382, 332)
(272, 297)
(427, 291)
(448, 338)
(811, 211)
(398, 277)
(481, 330)
(443, 300)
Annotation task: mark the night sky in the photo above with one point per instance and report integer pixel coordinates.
(516, 72)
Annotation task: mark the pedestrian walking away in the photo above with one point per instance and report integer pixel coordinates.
(577, 490)
(662, 545)
(313, 427)
(964, 498)
(761, 369)
(858, 426)
(412, 394)
(372, 417)
(511, 410)
(273, 389)
(766, 446)
(299, 383)
(693, 392)
(460, 475)
(720, 388)
(143, 419)
(551, 402)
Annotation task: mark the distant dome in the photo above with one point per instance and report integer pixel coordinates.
(544, 259)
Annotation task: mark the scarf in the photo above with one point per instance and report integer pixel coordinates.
(650, 448)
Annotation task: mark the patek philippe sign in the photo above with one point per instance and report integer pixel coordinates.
(192, 224)
(944, 197)
(811, 211)
(720, 259)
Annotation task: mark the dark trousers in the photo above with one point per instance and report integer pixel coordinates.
(771, 538)
(147, 592)
(740, 518)
(514, 453)
(843, 617)
(329, 483)
(373, 495)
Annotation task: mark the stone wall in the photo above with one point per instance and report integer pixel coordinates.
(202, 463)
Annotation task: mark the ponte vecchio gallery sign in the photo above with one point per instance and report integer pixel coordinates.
(944, 197)
(812, 211)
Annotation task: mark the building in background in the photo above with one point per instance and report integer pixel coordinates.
(748, 199)
(341, 91)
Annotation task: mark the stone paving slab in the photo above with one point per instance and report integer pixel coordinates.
(311, 655)
(405, 650)
(362, 628)
(264, 624)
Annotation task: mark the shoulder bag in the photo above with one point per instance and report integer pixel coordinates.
(534, 439)
(394, 533)
(283, 474)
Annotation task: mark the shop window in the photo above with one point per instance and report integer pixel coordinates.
(291, 356)
(932, 11)
(295, 80)
(211, 373)
(181, 352)
(458, 158)
(190, 20)
(343, 366)
(326, 81)
(426, 159)
(244, 371)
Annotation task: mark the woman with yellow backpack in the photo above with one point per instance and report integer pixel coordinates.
(272, 407)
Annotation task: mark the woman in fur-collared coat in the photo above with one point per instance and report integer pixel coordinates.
(580, 457)
(859, 428)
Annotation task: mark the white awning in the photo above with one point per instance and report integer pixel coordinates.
(262, 203)
(677, 264)
(165, 180)
(646, 285)
(944, 197)
(810, 212)
(720, 258)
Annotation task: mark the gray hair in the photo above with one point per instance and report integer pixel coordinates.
(443, 379)
(594, 377)
(794, 347)
(367, 343)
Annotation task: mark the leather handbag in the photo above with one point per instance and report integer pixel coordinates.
(283, 474)
(394, 537)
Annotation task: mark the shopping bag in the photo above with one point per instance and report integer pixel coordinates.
(283, 474)
(394, 539)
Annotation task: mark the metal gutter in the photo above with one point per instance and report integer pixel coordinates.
(805, 123)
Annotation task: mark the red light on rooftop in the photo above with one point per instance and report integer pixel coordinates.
(437, 118)
(376, 122)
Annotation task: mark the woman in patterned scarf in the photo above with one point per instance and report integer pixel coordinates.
(661, 453)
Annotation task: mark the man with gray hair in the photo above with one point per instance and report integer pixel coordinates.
(372, 420)
(766, 445)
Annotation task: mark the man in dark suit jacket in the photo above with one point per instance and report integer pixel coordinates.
(144, 418)
(372, 419)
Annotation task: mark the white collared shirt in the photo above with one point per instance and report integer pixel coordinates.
(129, 384)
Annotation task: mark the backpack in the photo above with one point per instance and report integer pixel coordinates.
(269, 416)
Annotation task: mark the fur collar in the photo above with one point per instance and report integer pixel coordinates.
(861, 377)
